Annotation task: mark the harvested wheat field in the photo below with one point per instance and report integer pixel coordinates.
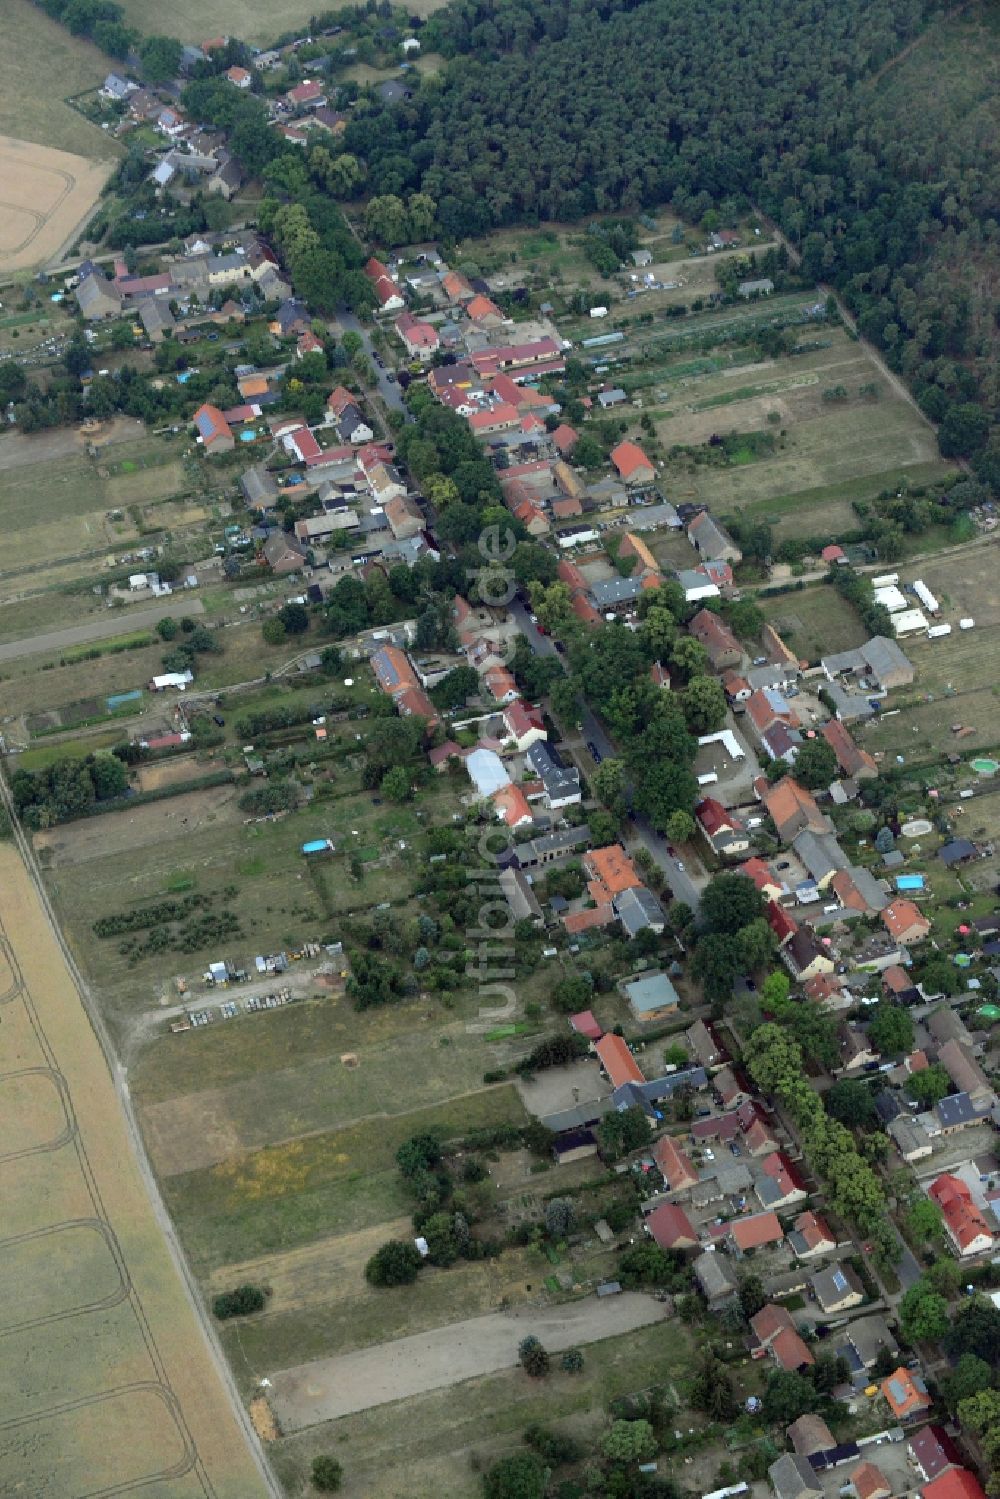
(45, 198)
(107, 1383)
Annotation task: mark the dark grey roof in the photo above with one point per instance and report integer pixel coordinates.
(956, 851)
(714, 1275)
(613, 591)
(792, 1475)
(559, 780)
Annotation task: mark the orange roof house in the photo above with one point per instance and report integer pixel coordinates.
(790, 1352)
(576, 922)
(632, 464)
(618, 1062)
(869, 1482)
(565, 438)
(906, 1394)
(512, 806)
(792, 809)
(612, 869)
(482, 310)
(678, 1172)
(905, 922)
(769, 1321)
(965, 1224)
(756, 1230)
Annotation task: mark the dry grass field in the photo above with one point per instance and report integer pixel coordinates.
(45, 196)
(195, 20)
(41, 66)
(105, 1377)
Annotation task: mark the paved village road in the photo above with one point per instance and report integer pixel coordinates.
(122, 622)
(332, 1387)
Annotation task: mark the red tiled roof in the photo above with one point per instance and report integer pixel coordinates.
(782, 925)
(957, 1483)
(586, 1024)
(769, 1321)
(902, 916)
(790, 1351)
(628, 458)
(868, 1481)
(758, 1229)
(671, 1227)
(713, 817)
(674, 1163)
(813, 1229)
(565, 438)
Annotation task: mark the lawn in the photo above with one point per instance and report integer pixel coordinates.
(339, 1181)
(814, 622)
(41, 65)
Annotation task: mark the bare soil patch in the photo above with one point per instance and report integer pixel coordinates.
(328, 1388)
(124, 832)
(45, 197)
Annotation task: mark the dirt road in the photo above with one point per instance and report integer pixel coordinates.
(157, 1404)
(119, 622)
(331, 1387)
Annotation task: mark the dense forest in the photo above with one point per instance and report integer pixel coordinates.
(554, 109)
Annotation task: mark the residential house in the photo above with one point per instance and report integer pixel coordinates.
(852, 760)
(652, 997)
(758, 1135)
(856, 1051)
(524, 725)
(790, 1352)
(724, 650)
(404, 515)
(716, 1279)
(959, 1111)
(260, 489)
(420, 338)
(352, 427)
(290, 319)
(617, 1061)
(766, 1325)
(214, 431)
(755, 1231)
(905, 923)
(723, 831)
(638, 910)
(782, 924)
(792, 809)
(631, 464)
(611, 869)
(810, 1434)
(670, 1227)
(869, 1482)
(97, 297)
(910, 1138)
(387, 293)
(880, 659)
(560, 783)
(964, 1223)
(767, 882)
(810, 1236)
(501, 684)
(696, 585)
(565, 439)
(965, 1072)
(779, 1184)
(869, 1338)
(481, 310)
(906, 1394)
(703, 1045)
(792, 1477)
(821, 855)
(309, 94)
(511, 806)
(859, 890)
(284, 554)
(729, 1089)
(836, 1289)
(806, 956)
(519, 895)
(674, 1165)
(956, 1483)
(383, 482)
(711, 540)
(239, 77)
(946, 1024)
(932, 1452)
(157, 320)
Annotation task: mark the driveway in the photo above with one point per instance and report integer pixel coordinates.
(682, 886)
(118, 622)
(329, 1388)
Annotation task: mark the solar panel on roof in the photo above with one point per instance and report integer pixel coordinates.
(840, 1280)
